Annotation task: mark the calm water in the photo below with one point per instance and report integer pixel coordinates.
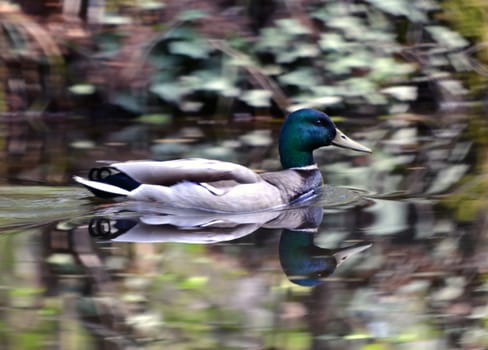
(391, 256)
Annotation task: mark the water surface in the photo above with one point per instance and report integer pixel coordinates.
(80, 273)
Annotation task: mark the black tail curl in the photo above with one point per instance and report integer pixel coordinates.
(111, 176)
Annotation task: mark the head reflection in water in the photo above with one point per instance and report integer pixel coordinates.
(302, 261)
(306, 264)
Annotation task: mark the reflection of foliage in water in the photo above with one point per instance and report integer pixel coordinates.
(31, 206)
(469, 200)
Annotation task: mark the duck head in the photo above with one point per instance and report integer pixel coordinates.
(306, 130)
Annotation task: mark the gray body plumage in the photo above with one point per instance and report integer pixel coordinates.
(214, 185)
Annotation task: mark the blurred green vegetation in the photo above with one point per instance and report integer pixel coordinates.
(470, 198)
(469, 18)
(148, 57)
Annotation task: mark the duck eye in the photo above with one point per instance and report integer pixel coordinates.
(319, 122)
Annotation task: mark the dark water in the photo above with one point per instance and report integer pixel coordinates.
(392, 255)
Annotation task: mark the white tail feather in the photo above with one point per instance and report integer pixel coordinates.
(101, 186)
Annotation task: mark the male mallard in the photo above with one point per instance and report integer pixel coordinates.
(227, 187)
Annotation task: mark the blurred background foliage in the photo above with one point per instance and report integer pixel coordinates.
(212, 57)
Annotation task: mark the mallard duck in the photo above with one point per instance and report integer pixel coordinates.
(218, 186)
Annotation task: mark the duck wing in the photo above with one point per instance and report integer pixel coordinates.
(170, 172)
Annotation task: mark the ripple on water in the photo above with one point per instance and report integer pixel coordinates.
(332, 196)
(29, 206)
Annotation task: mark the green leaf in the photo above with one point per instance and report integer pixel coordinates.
(129, 102)
(115, 20)
(82, 144)
(400, 8)
(197, 49)
(192, 15)
(214, 81)
(315, 102)
(163, 61)
(454, 87)
(241, 61)
(322, 14)
(272, 39)
(257, 98)
(335, 42)
(298, 51)
(344, 64)
(82, 89)
(347, 24)
(357, 87)
(190, 106)
(292, 26)
(171, 92)
(375, 98)
(16, 37)
(387, 68)
(181, 32)
(272, 69)
(402, 93)
(221, 85)
(446, 37)
(303, 77)
(108, 42)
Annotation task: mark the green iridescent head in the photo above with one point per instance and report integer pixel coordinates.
(306, 130)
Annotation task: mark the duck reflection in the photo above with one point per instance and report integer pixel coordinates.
(303, 262)
(306, 264)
